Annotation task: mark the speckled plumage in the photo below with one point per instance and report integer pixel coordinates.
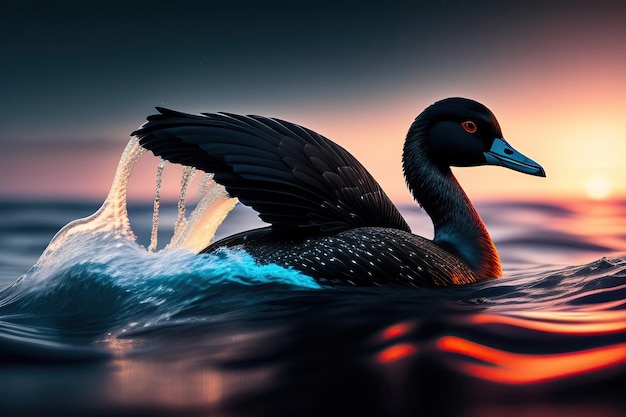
(360, 256)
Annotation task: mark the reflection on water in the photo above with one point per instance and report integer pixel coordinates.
(113, 330)
(514, 368)
(556, 356)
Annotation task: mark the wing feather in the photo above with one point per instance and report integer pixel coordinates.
(292, 176)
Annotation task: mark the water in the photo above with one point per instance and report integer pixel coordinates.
(101, 326)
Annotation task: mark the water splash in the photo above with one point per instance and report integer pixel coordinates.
(111, 221)
(203, 222)
(181, 220)
(98, 258)
(111, 218)
(205, 183)
(157, 203)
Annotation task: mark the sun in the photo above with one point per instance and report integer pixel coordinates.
(598, 187)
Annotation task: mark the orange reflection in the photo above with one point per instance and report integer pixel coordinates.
(396, 352)
(588, 323)
(515, 368)
(395, 330)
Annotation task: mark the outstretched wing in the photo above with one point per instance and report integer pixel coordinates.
(293, 177)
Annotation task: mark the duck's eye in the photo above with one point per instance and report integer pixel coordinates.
(469, 126)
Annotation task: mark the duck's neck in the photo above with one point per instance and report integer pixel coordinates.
(458, 227)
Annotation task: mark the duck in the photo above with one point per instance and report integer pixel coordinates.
(328, 217)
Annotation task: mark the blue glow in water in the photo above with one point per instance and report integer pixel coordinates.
(104, 278)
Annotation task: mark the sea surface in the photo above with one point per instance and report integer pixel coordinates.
(100, 326)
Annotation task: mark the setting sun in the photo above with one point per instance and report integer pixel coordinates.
(598, 187)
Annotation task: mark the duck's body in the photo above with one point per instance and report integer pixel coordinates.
(329, 218)
(359, 256)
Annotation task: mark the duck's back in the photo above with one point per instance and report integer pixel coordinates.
(359, 256)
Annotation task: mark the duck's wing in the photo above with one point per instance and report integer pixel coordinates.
(293, 177)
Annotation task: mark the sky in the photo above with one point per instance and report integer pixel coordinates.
(78, 77)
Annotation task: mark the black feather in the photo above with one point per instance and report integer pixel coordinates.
(293, 177)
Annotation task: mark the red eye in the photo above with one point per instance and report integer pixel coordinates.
(469, 126)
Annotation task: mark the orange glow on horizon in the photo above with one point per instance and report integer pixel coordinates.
(571, 126)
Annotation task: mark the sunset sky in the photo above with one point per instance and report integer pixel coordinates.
(78, 77)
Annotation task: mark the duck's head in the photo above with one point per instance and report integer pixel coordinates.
(463, 132)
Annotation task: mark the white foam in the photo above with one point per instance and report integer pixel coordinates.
(111, 219)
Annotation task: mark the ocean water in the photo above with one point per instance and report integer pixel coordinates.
(94, 324)
(111, 329)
